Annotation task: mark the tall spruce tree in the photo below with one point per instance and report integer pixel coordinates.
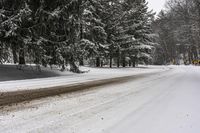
(136, 35)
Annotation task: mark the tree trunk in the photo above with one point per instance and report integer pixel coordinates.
(22, 56)
(189, 56)
(14, 52)
(110, 61)
(118, 61)
(129, 62)
(73, 67)
(124, 62)
(118, 57)
(134, 62)
(97, 62)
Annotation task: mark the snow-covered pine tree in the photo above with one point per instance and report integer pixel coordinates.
(93, 35)
(144, 34)
(14, 18)
(111, 17)
(89, 30)
(47, 35)
(136, 35)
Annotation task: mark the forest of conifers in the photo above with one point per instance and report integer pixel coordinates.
(116, 33)
(178, 28)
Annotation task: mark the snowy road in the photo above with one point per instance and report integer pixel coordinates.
(163, 103)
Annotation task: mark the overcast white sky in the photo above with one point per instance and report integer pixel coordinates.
(156, 5)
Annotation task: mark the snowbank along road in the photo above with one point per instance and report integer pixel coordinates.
(15, 91)
(167, 102)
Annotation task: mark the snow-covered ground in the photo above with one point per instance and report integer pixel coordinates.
(15, 80)
(166, 102)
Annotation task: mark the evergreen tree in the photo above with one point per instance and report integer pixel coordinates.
(136, 35)
(15, 18)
